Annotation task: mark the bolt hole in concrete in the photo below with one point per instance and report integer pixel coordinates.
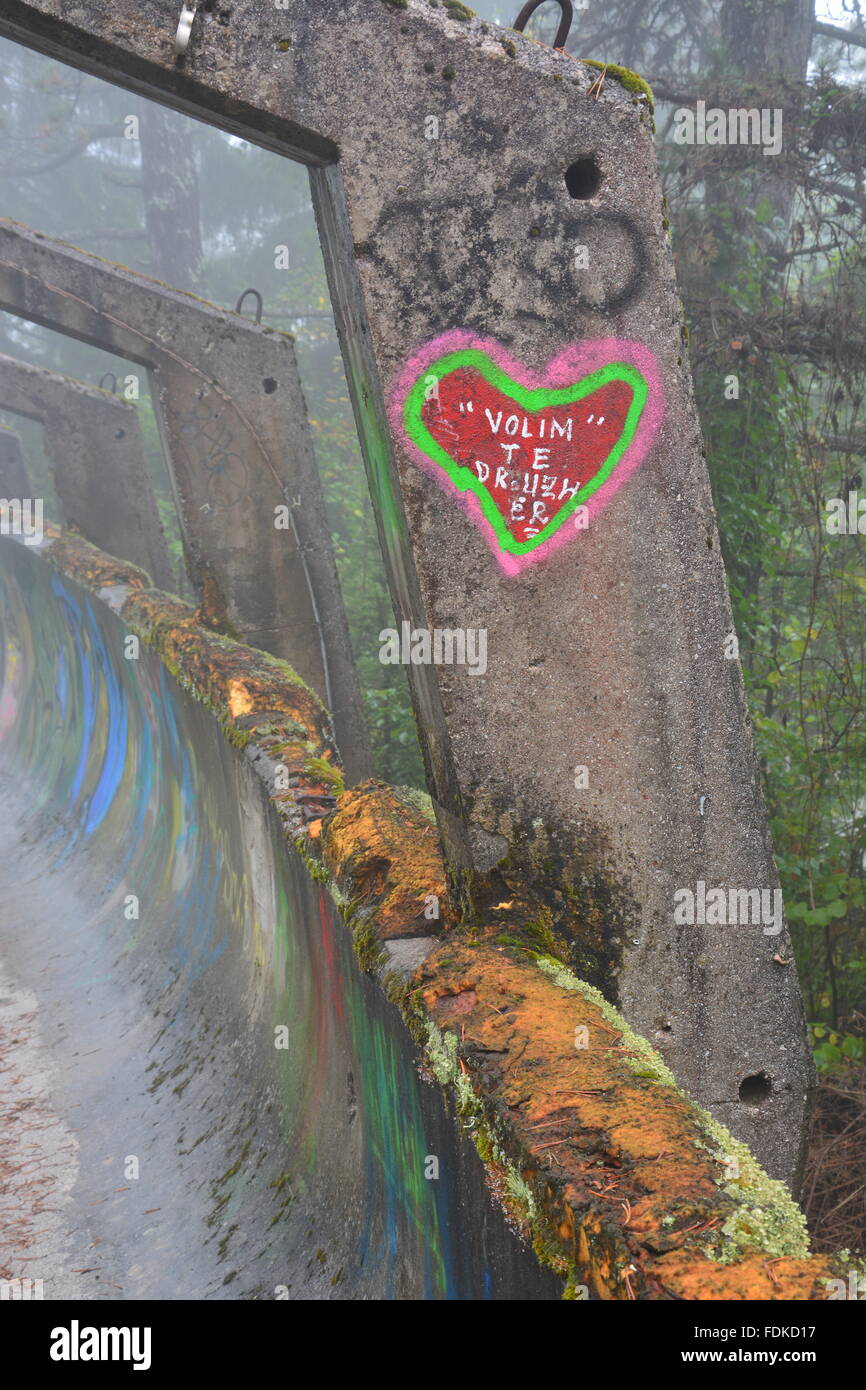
(583, 178)
(754, 1090)
(269, 385)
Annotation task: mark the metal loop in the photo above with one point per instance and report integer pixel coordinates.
(105, 376)
(529, 9)
(260, 304)
(184, 26)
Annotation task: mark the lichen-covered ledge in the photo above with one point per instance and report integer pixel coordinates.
(624, 1186)
(261, 704)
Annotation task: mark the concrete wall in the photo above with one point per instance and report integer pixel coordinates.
(301, 1167)
(14, 475)
(98, 462)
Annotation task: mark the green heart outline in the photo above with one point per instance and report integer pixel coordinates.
(529, 399)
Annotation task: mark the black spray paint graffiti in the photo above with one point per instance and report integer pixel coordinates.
(610, 237)
(471, 271)
(208, 442)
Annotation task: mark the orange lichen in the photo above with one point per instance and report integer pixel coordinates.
(89, 566)
(217, 668)
(385, 854)
(624, 1183)
(239, 699)
(686, 1275)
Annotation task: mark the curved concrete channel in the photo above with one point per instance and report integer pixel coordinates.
(204, 1097)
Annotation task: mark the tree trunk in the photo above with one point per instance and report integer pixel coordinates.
(170, 187)
(767, 39)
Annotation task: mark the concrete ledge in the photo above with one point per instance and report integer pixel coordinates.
(625, 1187)
(622, 1182)
(382, 848)
(257, 697)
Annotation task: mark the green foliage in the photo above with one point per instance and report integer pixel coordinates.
(835, 1052)
(796, 589)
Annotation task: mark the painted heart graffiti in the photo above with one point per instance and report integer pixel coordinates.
(527, 451)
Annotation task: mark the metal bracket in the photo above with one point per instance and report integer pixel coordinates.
(259, 304)
(184, 27)
(529, 9)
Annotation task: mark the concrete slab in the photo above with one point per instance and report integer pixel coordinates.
(14, 475)
(99, 465)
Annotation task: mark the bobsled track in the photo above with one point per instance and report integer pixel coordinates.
(237, 1060)
(155, 930)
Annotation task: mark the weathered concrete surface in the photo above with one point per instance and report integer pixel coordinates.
(14, 475)
(231, 410)
(232, 1109)
(624, 1187)
(99, 465)
(400, 870)
(608, 653)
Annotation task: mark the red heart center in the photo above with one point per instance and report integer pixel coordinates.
(532, 463)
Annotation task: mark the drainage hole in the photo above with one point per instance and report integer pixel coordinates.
(583, 177)
(754, 1090)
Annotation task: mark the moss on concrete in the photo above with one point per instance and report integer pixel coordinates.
(631, 81)
(765, 1217)
(457, 10)
(324, 771)
(615, 1176)
(555, 897)
(70, 553)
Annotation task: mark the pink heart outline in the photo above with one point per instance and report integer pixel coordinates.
(567, 367)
